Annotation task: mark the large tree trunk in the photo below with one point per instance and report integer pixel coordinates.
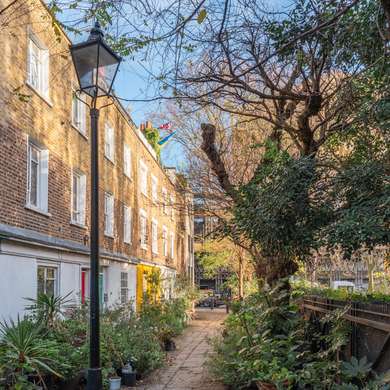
(279, 269)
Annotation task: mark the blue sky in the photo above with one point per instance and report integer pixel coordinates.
(133, 82)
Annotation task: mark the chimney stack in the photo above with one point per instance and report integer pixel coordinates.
(142, 127)
(148, 125)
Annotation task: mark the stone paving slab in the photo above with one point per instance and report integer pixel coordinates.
(186, 369)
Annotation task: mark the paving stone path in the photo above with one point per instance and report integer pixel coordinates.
(186, 368)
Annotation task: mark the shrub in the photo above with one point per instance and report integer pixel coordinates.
(266, 340)
(54, 343)
(26, 352)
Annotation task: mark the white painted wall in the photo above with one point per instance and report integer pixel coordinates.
(69, 281)
(113, 282)
(18, 276)
(18, 280)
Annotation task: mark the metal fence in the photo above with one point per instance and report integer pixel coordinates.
(370, 323)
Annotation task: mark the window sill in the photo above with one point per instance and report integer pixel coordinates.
(109, 235)
(128, 177)
(37, 210)
(79, 225)
(79, 131)
(112, 161)
(43, 97)
(127, 242)
(144, 247)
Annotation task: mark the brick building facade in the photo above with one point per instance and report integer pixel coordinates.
(145, 214)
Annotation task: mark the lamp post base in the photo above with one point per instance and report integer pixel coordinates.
(94, 379)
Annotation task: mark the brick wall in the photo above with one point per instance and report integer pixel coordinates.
(26, 114)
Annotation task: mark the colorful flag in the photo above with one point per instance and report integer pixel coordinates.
(165, 126)
(165, 139)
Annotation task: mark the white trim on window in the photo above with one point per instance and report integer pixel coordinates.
(109, 143)
(78, 198)
(79, 112)
(164, 194)
(37, 178)
(127, 166)
(143, 229)
(127, 228)
(38, 67)
(124, 287)
(172, 245)
(154, 189)
(154, 234)
(143, 177)
(165, 241)
(109, 214)
(47, 279)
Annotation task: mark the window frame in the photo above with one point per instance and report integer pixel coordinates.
(109, 197)
(154, 236)
(42, 85)
(127, 165)
(143, 227)
(80, 197)
(42, 180)
(172, 245)
(165, 241)
(124, 289)
(55, 279)
(109, 142)
(80, 126)
(154, 189)
(164, 193)
(143, 177)
(127, 224)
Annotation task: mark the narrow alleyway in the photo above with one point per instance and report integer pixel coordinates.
(186, 368)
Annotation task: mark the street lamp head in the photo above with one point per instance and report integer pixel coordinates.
(96, 64)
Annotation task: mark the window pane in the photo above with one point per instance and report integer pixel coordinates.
(41, 280)
(50, 285)
(34, 183)
(75, 196)
(50, 273)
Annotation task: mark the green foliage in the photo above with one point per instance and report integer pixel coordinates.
(343, 294)
(361, 213)
(25, 351)
(48, 308)
(201, 16)
(212, 261)
(52, 343)
(153, 137)
(279, 211)
(266, 340)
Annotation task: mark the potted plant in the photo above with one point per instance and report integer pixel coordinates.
(114, 380)
(129, 375)
(166, 337)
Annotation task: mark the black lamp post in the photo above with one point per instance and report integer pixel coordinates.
(96, 67)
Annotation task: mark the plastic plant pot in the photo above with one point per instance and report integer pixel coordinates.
(129, 378)
(115, 383)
